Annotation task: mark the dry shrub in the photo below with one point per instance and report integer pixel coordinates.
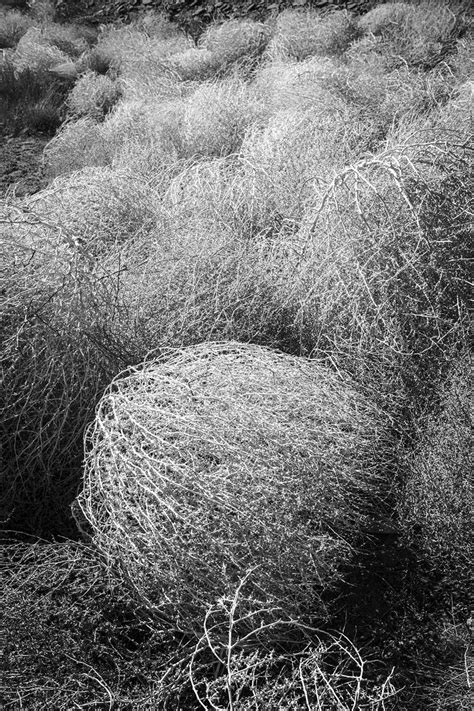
(437, 501)
(200, 275)
(144, 136)
(435, 515)
(54, 367)
(68, 38)
(141, 136)
(458, 114)
(386, 96)
(71, 638)
(96, 208)
(235, 40)
(315, 670)
(362, 91)
(93, 95)
(148, 71)
(288, 248)
(193, 65)
(372, 264)
(52, 375)
(283, 164)
(224, 458)
(133, 53)
(452, 688)
(297, 86)
(461, 62)
(304, 34)
(13, 25)
(216, 117)
(194, 278)
(78, 144)
(35, 53)
(150, 135)
(42, 11)
(160, 85)
(419, 34)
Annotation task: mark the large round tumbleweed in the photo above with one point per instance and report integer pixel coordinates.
(224, 458)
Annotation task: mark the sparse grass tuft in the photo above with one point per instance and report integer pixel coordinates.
(32, 100)
(13, 25)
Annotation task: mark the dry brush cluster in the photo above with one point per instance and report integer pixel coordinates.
(224, 458)
(262, 242)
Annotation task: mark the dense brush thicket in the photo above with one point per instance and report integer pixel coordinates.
(245, 287)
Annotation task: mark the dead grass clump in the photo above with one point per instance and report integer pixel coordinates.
(34, 52)
(436, 507)
(193, 65)
(283, 164)
(222, 459)
(417, 34)
(368, 266)
(144, 136)
(68, 38)
(96, 209)
(297, 86)
(78, 144)
(235, 40)
(216, 117)
(385, 96)
(13, 25)
(134, 54)
(369, 98)
(93, 95)
(304, 34)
